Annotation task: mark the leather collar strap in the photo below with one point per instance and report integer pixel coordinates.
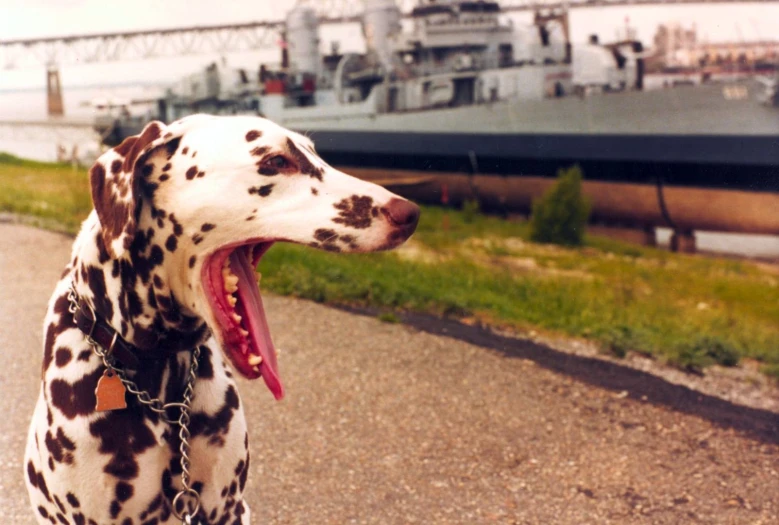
(108, 338)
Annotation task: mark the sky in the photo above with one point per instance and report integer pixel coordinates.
(40, 18)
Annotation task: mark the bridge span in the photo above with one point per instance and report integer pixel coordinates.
(263, 34)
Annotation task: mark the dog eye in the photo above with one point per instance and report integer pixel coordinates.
(278, 162)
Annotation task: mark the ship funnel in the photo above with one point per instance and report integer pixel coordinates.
(380, 23)
(302, 28)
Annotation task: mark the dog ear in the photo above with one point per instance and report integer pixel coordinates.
(116, 179)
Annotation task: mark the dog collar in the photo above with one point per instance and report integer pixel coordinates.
(104, 334)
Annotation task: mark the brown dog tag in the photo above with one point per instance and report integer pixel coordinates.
(110, 392)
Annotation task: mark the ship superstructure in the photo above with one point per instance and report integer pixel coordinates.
(455, 53)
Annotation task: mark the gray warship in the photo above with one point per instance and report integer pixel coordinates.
(462, 96)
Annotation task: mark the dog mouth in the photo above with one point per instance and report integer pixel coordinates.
(231, 284)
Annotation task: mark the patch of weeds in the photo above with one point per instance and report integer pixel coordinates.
(388, 317)
(618, 340)
(705, 351)
(455, 310)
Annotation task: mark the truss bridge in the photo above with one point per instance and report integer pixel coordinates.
(167, 42)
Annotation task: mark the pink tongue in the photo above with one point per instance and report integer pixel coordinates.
(255, 320)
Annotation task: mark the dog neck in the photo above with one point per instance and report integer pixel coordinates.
(132, 293)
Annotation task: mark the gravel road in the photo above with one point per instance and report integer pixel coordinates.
(394, 424)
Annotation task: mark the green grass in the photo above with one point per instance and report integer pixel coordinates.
(56, 193)
(687, 310)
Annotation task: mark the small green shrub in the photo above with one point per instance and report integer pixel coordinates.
(706, 351)
(560, 215)
(618, 340)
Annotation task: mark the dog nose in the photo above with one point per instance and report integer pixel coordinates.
(402, 212)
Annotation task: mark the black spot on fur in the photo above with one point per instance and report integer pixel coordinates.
(178, 229)
(191, 172)
(124, 491)
(102, 304)
(63, 356)
(262, 191)
(324, 235)
(75, 399)
(192, 261)
(216, 426)
(355, 212)
(123, 435)
(73, 500)
(102, 253)
(156, 256)
(60, 448)
(207, 227)
(253, 135)
(171, 243)
(205, 368)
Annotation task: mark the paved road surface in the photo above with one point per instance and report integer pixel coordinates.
(388, 424)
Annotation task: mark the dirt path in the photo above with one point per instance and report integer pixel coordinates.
(390, 424)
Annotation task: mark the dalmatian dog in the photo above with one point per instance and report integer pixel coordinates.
(164, 269)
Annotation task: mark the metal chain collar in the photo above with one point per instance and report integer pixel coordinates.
(156, 405)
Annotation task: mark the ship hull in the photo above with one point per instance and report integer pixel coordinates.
(723, 161)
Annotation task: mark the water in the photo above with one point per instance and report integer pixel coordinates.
(30, 105)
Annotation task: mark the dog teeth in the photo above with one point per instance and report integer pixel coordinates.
(259, 277)
(255, 360)
(256, 369)
(230, 282)
(243, 332)
(230, 299)
(237, 318)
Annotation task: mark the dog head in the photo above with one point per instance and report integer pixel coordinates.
(211, 194)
